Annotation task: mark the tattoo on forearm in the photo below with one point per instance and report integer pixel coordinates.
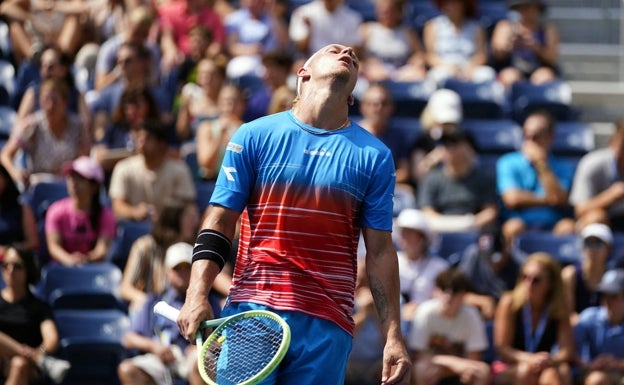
(381, 300)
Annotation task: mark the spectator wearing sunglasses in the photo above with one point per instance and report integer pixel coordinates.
(530, 321)
(27, 329)
(581, 280)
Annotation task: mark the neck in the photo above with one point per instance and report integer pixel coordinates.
(458, 169)
(325, 113)
(153, 163)
(82, 204)
(13, 295)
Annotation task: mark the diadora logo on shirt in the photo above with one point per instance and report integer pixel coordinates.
(229, 172)
(321, 152)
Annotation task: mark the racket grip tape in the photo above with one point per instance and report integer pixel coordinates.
(164, 309)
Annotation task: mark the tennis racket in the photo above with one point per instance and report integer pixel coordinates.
(242, 349)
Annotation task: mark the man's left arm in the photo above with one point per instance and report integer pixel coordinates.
(383, 275)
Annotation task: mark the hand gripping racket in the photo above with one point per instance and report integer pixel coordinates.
(243, 349)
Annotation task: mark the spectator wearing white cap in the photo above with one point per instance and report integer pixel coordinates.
(599, 334)
(166, 355)
(417, 267)
(79, 229)
(580, 280)
(443, 114)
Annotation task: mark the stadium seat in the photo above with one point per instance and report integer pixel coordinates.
(555, 97)
(451, 246)
(92, 341)
(366, 8)
(410, 98)
(573, 139)
(7, 120)
(90, 286)
(127, 233)
(494, 136)
(566, 248)
(491, 12)
(617, 253)
(43, 194)
(420, 12)
(479, 100)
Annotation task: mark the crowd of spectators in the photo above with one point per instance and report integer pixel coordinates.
(130, 105)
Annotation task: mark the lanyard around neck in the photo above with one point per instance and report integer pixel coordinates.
(531, 340)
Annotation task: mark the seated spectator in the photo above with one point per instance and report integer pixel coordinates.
(391, 48)
(33, 25)
(49, 137)
(459, 196)
(198, 101)
(164, 354)
(277, 69)
(442, 114)
(28, 334)
(598, 189)
(455, 44)
(534, 184)
(529, 322)
(134, 64)
(176, 20)
(321, 22)
(17, 221)
(138, 23)
(598, 334)
(52, 64)
(252, 30)
(377, 107)
(281, 100)
(214, 135)
(144, 272)
(79, 229)
(581, 279)
(492, 269)
(417, 267)
(142, 184)
(365, 360)
(136, 106)
(526, 48)
(448, 336)
(200, 38)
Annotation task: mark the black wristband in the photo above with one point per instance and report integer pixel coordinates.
(213, 246)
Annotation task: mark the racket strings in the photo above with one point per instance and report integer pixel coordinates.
(242, 349)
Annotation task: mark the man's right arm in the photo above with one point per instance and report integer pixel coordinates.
(203, 273)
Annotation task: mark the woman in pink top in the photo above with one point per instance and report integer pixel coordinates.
(79, 229)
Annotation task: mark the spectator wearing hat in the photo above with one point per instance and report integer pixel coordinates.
(79, 229)
(581, 279)
(165, 355)
(524, 46)
(455, 44)
(417, 267)
(599, 334)
(142, 184)
(598, 188)
(443, 113)
(459, 196)
(534, 184)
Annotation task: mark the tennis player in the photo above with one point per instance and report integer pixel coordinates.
(306, 182)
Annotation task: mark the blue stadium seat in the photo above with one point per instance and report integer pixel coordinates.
(366, 8)
(566, 248)
(479, 100)
(92, 341)
(491, 12)
(204, 192)
(420, 12)
(7, 120)
(494, 136)
(451, 246)
(617, 253)
(555, 97)
(91, 286)
(573, 139)
(127, 233)
(410, 98)
(7, 82)
(43, 194)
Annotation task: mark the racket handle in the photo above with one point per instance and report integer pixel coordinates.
(164, 309)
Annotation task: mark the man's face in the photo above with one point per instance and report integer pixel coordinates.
(336, 61)
(536, 130)
(614, 303)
